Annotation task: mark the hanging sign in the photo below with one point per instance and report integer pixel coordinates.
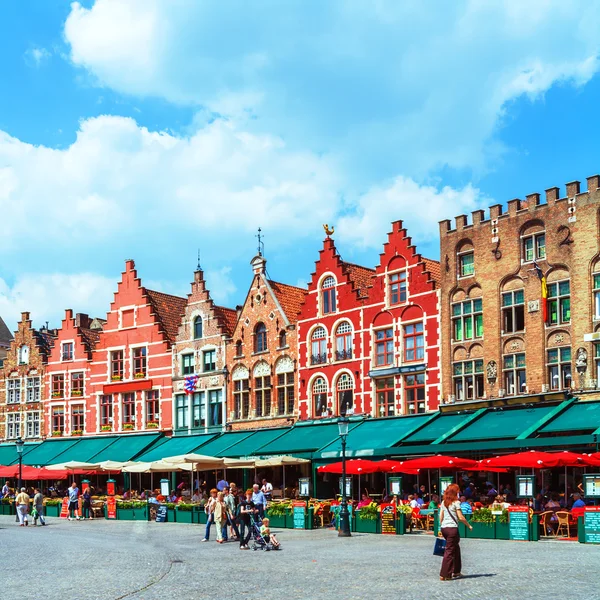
(388, 519)
(518, 523)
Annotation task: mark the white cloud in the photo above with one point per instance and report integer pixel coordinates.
(47, 295)
(221, 285)
(386, 83)
(35, 57)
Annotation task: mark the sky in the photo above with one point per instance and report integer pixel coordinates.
(157, 129)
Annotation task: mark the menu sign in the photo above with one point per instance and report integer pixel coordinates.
(525, 487)
(518, 523)
(348, 486)
(64, 509)
(161, 513)
(592, 524)
(299, 510)
(591, 485)
(111, 507)
(388, 519)
(303, 487)
(395, 484)
(445, 482)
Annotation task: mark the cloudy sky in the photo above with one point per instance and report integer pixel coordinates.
(149, 129)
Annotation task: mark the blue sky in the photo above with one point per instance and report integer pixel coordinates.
(147, 130)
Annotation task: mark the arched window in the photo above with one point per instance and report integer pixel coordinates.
(260, 338)
(343, 341)
(238, 348)
(197, 328)
(262, 389)
(465, 258)
(282, 338)
(345, 394)
(241, 392)
(318, 346)
(328, 298)
(24, 355)
(319, 397)
(284, 374)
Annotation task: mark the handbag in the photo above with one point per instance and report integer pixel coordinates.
(439, 548)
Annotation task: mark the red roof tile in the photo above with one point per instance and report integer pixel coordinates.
(227, 318)
(169, 311)
(435, 269)
(90, 337)
(361, 277)
(291, 299)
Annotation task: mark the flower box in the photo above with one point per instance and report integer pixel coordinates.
(76, 432)
(106, 428)
(152, 425)
(184, 515)
(367, 525)
(116, 377)
(128, 427)
(132, 511)
(502, 531)
(76, 393)
(6, 509)
(202, 517)
(277, 521)
(484, 531)
(57, 394)
(57, 434)
(52, 510)
(139, 375)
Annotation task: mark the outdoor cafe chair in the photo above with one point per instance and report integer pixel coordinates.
(564, 523)
(546, 524)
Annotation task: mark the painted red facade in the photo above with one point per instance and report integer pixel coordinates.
(368, 339)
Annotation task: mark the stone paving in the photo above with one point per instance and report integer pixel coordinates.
(102, 560)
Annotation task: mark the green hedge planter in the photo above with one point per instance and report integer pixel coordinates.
(132, 514)
(277, 521)
(502, 531)
(52, 510)
(367, 525)
(6, 509)
(182, 516)
(400, 524)
(483, 531)
(202, 518)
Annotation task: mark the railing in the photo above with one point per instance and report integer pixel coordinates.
(343, 354)
(318, 359)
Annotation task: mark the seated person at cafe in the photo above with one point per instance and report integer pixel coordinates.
(509, 495)
(577, 501)
(412, 502)
(465, 506)
(500, 503)
(364, 502)
(434, 502)
(553, 503)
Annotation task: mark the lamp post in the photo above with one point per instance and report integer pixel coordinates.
(19, 445)
(344, 530)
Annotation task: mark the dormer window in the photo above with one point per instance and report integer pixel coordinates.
(198, 328)
(328, 296)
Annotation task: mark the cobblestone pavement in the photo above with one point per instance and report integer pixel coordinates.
(103, 560)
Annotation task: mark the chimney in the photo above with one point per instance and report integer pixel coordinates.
(259, 264)
(82, 320)
(24, 316)
(129, 264)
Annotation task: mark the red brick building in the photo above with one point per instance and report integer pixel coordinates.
(199, 355)
(22, 393)
(68, 390)
(130, 387)
(369, 338)
(262, 357)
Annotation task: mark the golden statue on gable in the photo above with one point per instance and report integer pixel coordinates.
(328, 231)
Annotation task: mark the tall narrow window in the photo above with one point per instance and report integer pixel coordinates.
(513, 311)
(385, 397)
(181, 411)
(241, 398)
(466, 264)
(318, 346)
(345, 394)
(198, 410)
(129, 409)
(262, 395)
(468, 380)
(209, 360)
(559, 368)
(58, 386)
(215, 407)
(139, 362)
(414, 342)
(384, 347)
(67, 351)
(198, 328)
(32, 425)
(467, 320)
(260, 338)
(152, 406)
(33, 389)
(597, 361)
(13, 425)
(106, 410)
(58, 420)
(328, 296)
(397, 287)
(319, 397)
(559, 302)
(116, 365)
(285, 393)
(77, 418)
(238, 349)
(414, 389)
(534, 247)
(77, 380)
(343, 341)
(24, 355)
(282, 339)
(187, 364)
(515, 378)
(13, 388)
(596, 295)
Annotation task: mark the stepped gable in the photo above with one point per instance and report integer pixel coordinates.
(435, 270)
(290, 299)
(169, 311)
(227, 318)
(90, 338)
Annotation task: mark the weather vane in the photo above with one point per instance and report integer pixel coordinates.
(261, 244)
(328, 231)
(198, 268)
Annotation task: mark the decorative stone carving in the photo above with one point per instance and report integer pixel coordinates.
(262, 369)
(240, 372)
(284, 365)
(491, 370)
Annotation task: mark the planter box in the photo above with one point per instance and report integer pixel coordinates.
(202, 517)
(502, 531)
(6, 509)
(485, 531)
(182, 516)
(52, 510)
(367, 525)
(277, 521)
(132, 514)
(400, 524)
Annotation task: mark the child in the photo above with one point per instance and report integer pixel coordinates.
(265, 531)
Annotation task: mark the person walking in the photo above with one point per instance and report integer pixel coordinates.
(260, 502)
(219, 512)
(86, 506)
(209, 510)
(22, 502)
(38, 506)
(229, 519)
(450, 515)
(74, 502)
(246, 509)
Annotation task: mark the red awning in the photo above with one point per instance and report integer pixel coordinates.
(537, 460)
(9, 471)
(441, 462)
(354, 466)
(394, 466)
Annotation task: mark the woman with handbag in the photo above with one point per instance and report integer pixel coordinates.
(450, 515)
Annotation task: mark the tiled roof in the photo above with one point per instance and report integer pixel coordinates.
(44, 340)
(434, 268)
(290, 298)
(5, 335)
(90, 337)
(168, 310)
(227, 317)
(361, 277)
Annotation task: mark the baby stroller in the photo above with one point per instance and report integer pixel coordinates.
(258, 540)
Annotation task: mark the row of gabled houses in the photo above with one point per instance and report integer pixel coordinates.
(356, 340)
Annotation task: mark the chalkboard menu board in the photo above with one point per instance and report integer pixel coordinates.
(161, 513)
(518, 523)
(388, 519)
(592, 524)
(299, 510)
(591, 485)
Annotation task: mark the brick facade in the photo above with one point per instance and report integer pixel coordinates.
(353, 330)
(262, 357)
(200, 354)
(489, 267)
(22, 390)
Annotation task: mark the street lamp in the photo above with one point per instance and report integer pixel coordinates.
(19, 445)
(344, 530)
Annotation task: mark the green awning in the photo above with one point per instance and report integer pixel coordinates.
(175, 446)
(579, 417)
(223, 442)
(373, 437)
(432, 431)
(303, 438)
(501, 424)
(247, 446)
(45, 453)
(126, 447)
(85, 449)
(8, 453)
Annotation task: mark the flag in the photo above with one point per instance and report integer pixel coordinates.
(190, 384)
(544, 300)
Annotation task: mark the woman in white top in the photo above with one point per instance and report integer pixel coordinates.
(450, 515)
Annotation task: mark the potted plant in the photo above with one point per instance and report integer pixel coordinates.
(57, 394)
(367, 519)
(52, 507)
(76, 393)
(403, 516)
(140, 375)
(152, 425)
(106, 428)
(483, 523)
(278, 513)
(132, 510)
(57, 434)
(116, 377)
(77, 432)
(6, 507)
(128, 426)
